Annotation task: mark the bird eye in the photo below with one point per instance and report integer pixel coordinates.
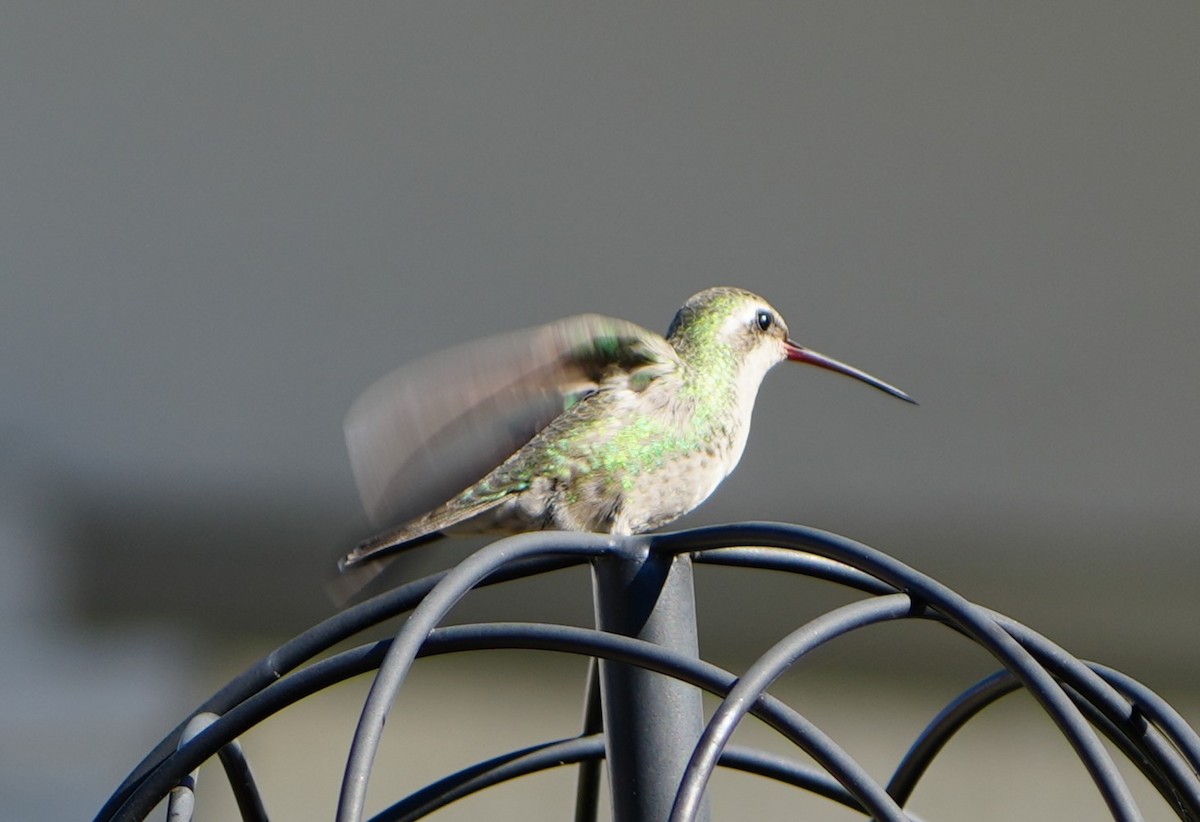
(764, 319)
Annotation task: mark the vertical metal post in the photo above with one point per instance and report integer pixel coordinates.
(651, 722)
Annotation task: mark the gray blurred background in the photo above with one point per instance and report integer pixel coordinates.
(220, 222)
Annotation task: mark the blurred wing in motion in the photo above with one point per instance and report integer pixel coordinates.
(432, 428)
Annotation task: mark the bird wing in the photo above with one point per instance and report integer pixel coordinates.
(430, 429)
(417, 531)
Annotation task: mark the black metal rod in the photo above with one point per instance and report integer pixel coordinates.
(493, 772)
(754, 683)
(182, 801)
(651, 722)
(976, 622)
(298, 650)
(560, 638)
(1143, 727)
(791, 561)
(408, 642)
(530, 636)
(587, 783)
(1154, 708)
(241, 782)
(1141, 741)
(585, 749)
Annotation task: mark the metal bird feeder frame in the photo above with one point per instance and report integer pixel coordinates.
(644, 716)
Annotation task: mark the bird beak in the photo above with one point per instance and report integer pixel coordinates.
(797, 353)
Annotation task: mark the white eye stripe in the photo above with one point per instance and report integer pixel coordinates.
(753, 318)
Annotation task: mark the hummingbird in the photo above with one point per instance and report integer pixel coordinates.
(589, 423)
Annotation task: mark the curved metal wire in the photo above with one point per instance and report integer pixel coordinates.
(237, 770)
(587, 783)
(433, 608)
(308, 645)
(1079, 697)
(450, 639)
(754, 683)
(972, 620)
(1150, 707)
(1167, 757)
(590, 748)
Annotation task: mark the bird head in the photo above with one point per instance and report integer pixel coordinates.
(744, 331)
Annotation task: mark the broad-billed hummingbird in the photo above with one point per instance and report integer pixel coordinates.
(586, 424)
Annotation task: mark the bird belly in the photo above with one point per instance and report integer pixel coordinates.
(662, 496)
